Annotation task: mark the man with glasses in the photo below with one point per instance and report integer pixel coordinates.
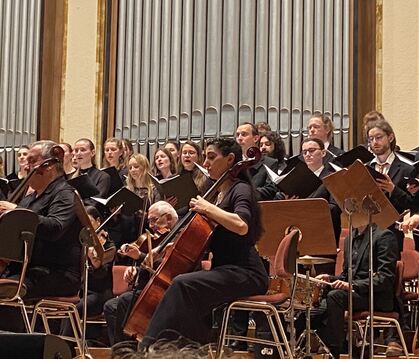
(382, 143)
(313, 152)
(54, 268)
(161, 217)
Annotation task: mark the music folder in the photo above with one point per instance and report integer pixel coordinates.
(131, 202)
(299, 181)
(84, 186)
(180, 186)
(357, 153)
(7, 186)
(116, 180)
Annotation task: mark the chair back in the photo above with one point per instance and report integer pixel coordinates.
(285, 262)
(17, 232)
(119, 284)
(398, 280)
(410, 259)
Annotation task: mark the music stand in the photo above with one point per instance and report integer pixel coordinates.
(368, 205)
(312, 217)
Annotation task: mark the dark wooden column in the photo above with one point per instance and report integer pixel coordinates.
(364, 63)
(51, 68)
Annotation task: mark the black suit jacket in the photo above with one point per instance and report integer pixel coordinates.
(400, 198)
(265, 188)
(329, 157)
(385, 254)
(335, 211)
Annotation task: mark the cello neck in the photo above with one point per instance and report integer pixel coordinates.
(230, 173)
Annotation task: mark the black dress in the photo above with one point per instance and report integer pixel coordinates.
(237, 271)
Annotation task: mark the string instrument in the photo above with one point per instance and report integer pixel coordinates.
(184, 256)
(56, 155)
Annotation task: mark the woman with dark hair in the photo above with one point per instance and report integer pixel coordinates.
(174, 148)
(191, 153)
(235, 270)
(68, 159)
(164, 165)
(270, 144)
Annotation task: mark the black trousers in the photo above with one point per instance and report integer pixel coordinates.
(188, 303)
(329, 318)
(115, 311)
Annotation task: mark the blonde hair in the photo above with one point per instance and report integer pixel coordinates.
(145, 179)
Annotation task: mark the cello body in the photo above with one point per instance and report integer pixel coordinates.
(185, 255)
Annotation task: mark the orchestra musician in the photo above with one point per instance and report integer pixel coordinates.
(100, 275)
(236, 269)
(161, 219)
(329, 317)
(54, 268)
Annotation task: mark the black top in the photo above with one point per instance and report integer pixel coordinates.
(228, 247)
(100, 179)
(56, 245)
(385, 257)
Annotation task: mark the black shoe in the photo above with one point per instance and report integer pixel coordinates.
(238, 346)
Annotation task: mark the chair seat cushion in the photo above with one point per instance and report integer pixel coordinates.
(71, 299)
(409, 296)
(364, 314)
(8, 288)
(269, 298)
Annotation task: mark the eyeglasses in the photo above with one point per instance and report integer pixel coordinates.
(377, 138)
(155, 219)
(309, 150)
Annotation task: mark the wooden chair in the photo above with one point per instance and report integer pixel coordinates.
(17, 232)
(284, 267)
(382, 319)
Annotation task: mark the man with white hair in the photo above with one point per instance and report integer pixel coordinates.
(161, 217)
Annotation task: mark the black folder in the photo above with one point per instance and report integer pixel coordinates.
(180, 186)
(84, 186)
(299, 181)
(357, 153)
(116, 180)
(7, 186)
(131, 202)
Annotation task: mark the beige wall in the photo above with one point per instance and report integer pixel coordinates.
(400, 69)
(79, 107)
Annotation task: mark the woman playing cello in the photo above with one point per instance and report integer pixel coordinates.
(236, 269)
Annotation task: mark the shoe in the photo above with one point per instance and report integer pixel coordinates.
(238, 346)
(394, 349)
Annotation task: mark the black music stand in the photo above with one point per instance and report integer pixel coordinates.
(358, 195)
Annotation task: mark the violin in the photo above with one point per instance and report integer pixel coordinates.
(57, 155)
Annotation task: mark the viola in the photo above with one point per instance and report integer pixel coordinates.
(190, 238)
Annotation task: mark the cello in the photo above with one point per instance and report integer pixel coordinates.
(190, 239)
